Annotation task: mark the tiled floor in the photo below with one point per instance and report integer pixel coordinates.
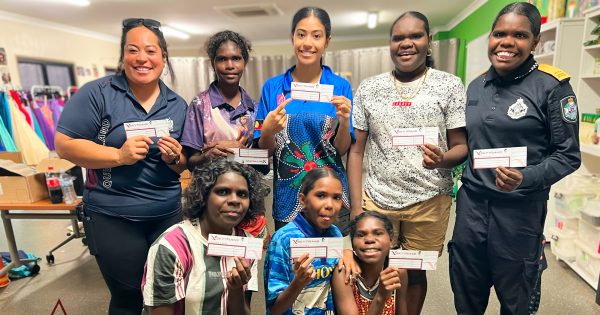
(76, 281)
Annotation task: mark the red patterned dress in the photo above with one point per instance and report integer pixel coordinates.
(364, 297)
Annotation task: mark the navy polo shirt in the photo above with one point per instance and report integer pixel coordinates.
(146, 190)
(528, 108)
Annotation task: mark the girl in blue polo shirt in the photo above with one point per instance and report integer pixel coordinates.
(303, 135)
(303, 286)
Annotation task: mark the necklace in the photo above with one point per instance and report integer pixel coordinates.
(406, 100)
(370, 291)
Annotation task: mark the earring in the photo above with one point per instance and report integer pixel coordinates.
(429, 52)
(165, 71)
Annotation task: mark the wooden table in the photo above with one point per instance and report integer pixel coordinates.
(36, 210)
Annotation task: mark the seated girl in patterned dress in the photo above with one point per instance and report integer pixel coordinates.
(179, 277)
(379, 289)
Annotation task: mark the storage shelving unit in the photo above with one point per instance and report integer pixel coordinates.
(587, 90)
(566, 33)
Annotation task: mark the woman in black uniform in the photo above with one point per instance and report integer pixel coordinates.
(500, 211)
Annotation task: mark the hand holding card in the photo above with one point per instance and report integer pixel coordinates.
(234, 246)
(134, 149)
(318, 247)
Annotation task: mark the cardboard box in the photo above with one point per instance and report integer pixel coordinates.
(59, 165)
(12, 156)
(20, 183)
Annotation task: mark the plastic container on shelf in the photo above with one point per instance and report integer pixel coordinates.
(562, 244)
(566, 221)
(587, 259)
(589, 235)
(68, 190)
(591, 212)
(572, 193)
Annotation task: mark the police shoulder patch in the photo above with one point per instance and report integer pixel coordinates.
(568, 106)
(557, 73)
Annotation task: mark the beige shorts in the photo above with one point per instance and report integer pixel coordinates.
(421, 226)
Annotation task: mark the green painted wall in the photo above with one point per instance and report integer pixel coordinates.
(475, 25)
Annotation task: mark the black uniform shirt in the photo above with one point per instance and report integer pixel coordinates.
(547, 125)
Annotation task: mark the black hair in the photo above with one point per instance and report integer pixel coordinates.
(317, 12)
(308, 182)
(213, 44)
(526, 9)
(387, 224)
(203, 180)
(429, 62)
(162, 43)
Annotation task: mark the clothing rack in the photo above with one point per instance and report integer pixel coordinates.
(71, 90)
(8, 87)
(48, 90)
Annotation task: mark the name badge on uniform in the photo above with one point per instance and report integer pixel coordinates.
(518, 109)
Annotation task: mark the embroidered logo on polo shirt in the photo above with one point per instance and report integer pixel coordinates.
(518, 109)
(569, 109)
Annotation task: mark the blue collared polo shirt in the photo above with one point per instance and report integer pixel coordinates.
(306, 142)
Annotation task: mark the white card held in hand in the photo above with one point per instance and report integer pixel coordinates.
(414, 259)
(315, 92)
(250, 156)
(507, 157)
(234, 246)
(151, 128)
(403, 137)
(318, 247)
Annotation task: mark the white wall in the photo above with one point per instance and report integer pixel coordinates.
(31, 39)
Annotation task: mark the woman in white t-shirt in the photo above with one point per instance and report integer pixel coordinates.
(407, 181)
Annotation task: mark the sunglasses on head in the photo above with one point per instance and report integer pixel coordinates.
(133, 22)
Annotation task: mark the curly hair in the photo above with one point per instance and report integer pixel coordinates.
(203, 180)
(215, 41)
(387, 224)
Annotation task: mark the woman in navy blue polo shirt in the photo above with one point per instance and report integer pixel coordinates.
(306, 134)
(124, 129)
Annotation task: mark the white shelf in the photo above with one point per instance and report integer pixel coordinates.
(553, 25)
(592, 47)
(582, 273)
(591, 77)
(592, 11)
(591, 149)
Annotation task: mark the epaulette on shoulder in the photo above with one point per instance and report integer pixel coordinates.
(557, 73)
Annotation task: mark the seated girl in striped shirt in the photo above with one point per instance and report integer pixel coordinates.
(179, 276)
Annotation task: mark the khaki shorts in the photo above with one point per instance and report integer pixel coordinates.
(421, 226)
